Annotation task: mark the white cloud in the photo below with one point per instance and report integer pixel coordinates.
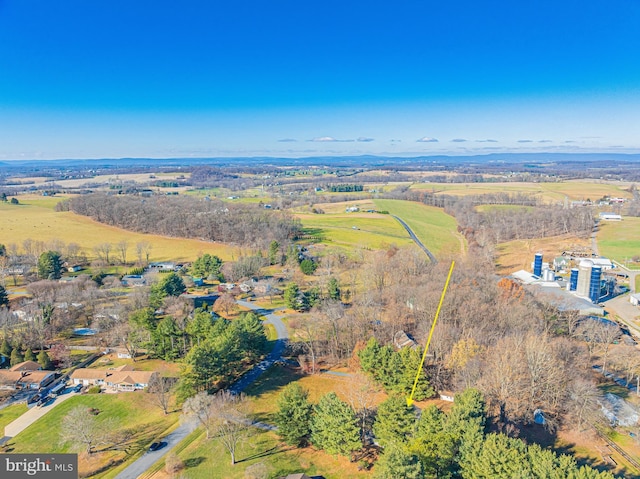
(427, 139)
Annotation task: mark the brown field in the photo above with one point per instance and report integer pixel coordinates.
(518, 254)
(549, 192)
(35, 218)
(113, 179)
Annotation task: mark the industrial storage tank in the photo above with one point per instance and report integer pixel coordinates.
(594, 286)
(573, 279)
(537, 264)
(584, 278)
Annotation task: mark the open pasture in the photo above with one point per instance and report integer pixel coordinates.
(36, 219)
(620, 240)
(371, 230)
(436, 229)
(549, 192)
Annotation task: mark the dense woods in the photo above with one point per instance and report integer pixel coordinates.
(211, 220)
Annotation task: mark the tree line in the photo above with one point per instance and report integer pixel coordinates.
(420, 444)
(211, 220)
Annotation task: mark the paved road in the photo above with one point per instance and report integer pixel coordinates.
(625, 312)
(632, 275)
(32, 415)
(416, 240)
(150, 458)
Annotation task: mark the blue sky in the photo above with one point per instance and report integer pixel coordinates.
(87, 79)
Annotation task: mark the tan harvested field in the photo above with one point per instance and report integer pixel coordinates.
(550, 192)
(518, 254)
(140, 178)
(36, 219)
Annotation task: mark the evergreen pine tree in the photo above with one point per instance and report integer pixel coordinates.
(293, 417)
(397, 463)
(29, 356)
(334, 426)
(394, 422)
(4, 298)
(274, 246)
(411, 359)
(6, 348)
(333, 289)
(291, 295)
(16, 357)
(44, 360)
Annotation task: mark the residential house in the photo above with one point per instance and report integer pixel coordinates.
(26, 366)
(164, 266)
(123, 378)
(133, 280)
(402, 340)
(14, 380)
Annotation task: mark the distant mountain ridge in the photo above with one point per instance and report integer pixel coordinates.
(344, 161)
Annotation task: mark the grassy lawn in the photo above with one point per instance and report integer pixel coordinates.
(130, 411)
(210, 460)
(36, 219)
(620, 240)
(372, 231)
(436, 229)
(142, 363)
(264, 392)
(11, 413)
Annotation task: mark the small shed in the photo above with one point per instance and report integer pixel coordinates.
(635, 299)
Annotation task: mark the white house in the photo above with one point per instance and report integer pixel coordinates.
(123, 379)
(635, 299)
(610, 217)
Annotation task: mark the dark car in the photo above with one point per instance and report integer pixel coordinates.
(156, 445)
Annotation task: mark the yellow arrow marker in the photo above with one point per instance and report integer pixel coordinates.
(433, 327)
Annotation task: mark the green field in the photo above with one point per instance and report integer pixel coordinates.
(131, 411)
(373, 231)
(436, 229)
(620, 240)
(35, 218)
(549, 192)
(11, 413)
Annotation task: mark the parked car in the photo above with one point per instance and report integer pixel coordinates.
(156, 445)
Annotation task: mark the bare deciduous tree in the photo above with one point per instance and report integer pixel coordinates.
(160, 390)
(81, 429)
(223, 415)
(122, 246)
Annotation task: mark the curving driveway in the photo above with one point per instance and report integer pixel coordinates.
(149, 458)
(416, 240)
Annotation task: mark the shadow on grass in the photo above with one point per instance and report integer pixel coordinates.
(274, 378)
(269, 452)
(614, 388)
(194, 461)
